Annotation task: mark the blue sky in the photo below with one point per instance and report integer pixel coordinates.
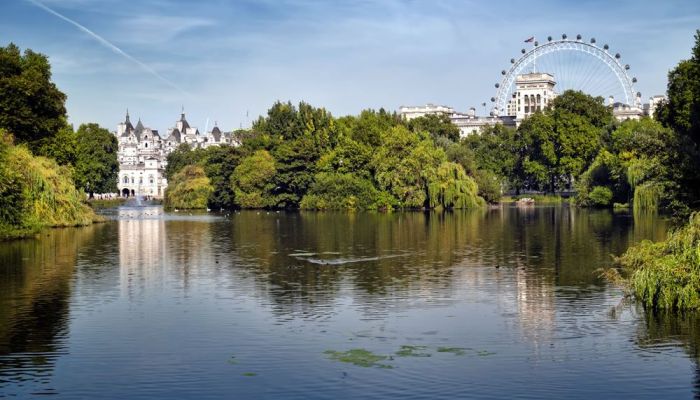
(220, 59)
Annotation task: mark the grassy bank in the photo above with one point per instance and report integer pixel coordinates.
(36, 193)
(666, 275)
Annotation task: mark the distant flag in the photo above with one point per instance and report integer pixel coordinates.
(530, 40)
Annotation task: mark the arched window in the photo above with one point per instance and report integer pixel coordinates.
(126, 179)
(146, 144)
(132, 179)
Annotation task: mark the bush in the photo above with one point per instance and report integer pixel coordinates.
(666, 275)
(336, 191)
(600, 196)
(35, 193)
(189, 189)
(489, 186)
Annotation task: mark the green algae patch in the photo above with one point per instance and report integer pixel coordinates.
(413, 351)
(458, 351)
(484, 353)
(358, 357)
(249, 374)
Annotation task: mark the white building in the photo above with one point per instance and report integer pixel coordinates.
(533, 92)
(411, 112)
(143, 153)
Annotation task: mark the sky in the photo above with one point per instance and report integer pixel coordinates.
(228, 61)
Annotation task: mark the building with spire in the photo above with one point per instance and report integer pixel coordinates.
(143, 153)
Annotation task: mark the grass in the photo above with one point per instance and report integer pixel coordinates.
(665, 275)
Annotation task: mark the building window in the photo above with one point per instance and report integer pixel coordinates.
(146, 144)
(126, 179)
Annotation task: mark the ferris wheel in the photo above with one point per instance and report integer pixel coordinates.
(575, 64)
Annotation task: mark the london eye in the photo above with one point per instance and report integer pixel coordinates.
(576, 64)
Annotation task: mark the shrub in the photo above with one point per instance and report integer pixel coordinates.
(600, 196)
(189, 189)
(666, 275)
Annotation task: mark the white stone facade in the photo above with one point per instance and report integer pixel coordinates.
(143, 153)
(533, 92)
(411, 112)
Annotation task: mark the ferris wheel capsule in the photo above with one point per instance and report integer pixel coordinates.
(578, 37)
(634, 80)
(503, 72)
(537, 44)
(549, 38)
(497, 85)
(512, 60)
(617, 55)
(493, 99)
(522, 51)
(606, 47)
(592, 40)
(563, 36)
(627, 66)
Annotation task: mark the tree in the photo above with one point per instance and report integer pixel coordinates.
(681, 111)
(438, 126)
(31, 106)
(252, 181)
(96, 164)
(182, 156)
(405, 163)
(219, 163)
(189, 189)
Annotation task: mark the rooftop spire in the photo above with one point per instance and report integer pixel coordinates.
(127, 116)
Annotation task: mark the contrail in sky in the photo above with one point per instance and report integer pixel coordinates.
(109, 45)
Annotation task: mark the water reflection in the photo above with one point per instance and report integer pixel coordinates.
(35, 290)
(520, 283)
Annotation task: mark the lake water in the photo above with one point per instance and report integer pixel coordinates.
(498, 303)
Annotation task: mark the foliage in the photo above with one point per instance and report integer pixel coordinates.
(31, 106)
(35, 192)
(666, 275)
(681, 111)
(438, 126)
(188, 189)
(358, 357)
(489, 185)
(600, 196)
(96, 166)
(219, 162)
(253, 181)
(62, 147)
(182, 156)
(451, 188)
(343, 191)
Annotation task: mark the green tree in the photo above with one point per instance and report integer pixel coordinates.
(31, 106)
(681, 111)
(182, 156)
(405, 163)
(219, 163)
(253, 181)
(438, 126)
(189, 189)
(96, 164)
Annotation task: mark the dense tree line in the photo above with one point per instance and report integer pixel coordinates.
(303, 157)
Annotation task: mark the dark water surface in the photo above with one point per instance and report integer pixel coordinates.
(500, 303)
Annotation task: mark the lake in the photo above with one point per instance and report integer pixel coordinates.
(495, 303)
